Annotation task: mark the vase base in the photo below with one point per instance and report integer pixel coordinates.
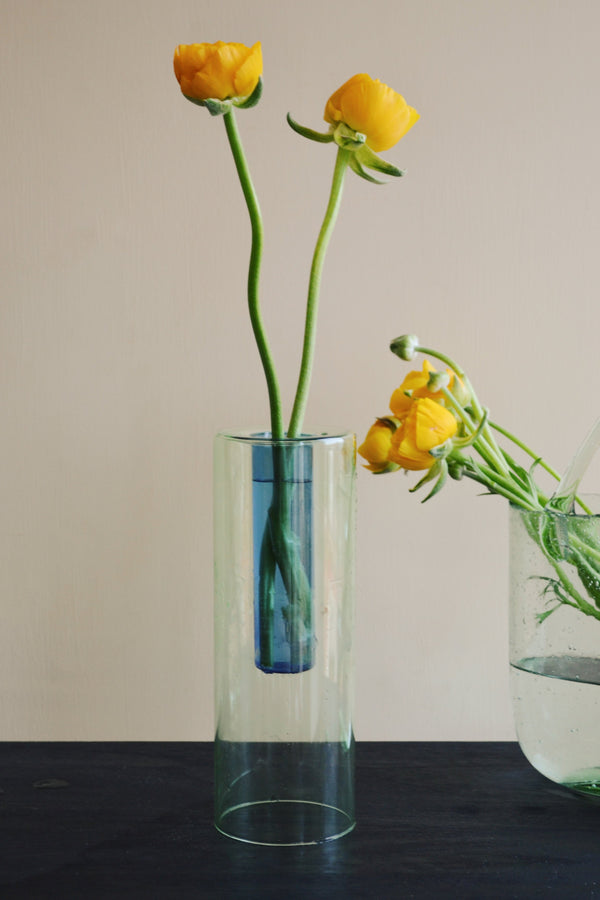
(586, 787)
(284, 792)
(284, 823)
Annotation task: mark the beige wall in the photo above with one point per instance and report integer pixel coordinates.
(125, 343)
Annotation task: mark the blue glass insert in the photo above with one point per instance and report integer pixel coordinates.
(283, 549)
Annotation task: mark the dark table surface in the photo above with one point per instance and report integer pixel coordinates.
(435, 820)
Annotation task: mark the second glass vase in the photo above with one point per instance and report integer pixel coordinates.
(555, 643)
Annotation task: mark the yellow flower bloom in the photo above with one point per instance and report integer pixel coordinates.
(427, 425)
(376, 446)
(373, 109)
(217, 71)
(416, 382)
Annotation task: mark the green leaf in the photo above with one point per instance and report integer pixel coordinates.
(369, 159)
(438, 471)
(541, 617)
(220, 107)
(553, 539)
(253, 99)
(590, 578)
(518, 474)
(215, 107)
(317, 136)
(390, 467)
(356, 167)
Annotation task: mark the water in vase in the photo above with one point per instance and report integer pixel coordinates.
(556, 701)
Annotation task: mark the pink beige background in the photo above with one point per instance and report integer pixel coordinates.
(124, 340)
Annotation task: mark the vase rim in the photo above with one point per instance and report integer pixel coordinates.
(263, 436)
(591, 499)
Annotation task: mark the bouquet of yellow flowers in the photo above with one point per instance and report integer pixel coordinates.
(438, 426)
(365, 117)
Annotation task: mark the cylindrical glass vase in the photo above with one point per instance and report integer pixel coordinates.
(284, 514)
(555, 643)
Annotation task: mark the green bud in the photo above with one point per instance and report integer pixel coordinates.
(437, 381)
(460, 393)
(406, 346)
(456, 469)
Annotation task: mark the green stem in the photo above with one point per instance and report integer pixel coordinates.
(493, 454)
(266, 594)
(498, 484)
(568, 585)
(538, 459)
(535, 528)
(254, 273)
(308, 350)
(584, 548)
(525, 449)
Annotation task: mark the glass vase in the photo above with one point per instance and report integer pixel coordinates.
(284, 514)
(555, 643)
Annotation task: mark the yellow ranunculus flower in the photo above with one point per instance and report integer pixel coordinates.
(373, 109)
(217, 71)
(416, 382)
(427, 425)
(376, 446)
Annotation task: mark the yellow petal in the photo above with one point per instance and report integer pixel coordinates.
(246, 77)
(404, 451)
(415, 382)
(427, 425)
(217, 71)
(372, 108)
(376, 446)
(399, 402)
(434, 424)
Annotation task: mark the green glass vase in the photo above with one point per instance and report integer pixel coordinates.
(284, 546)
(555, 645)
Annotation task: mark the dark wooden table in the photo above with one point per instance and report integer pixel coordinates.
(435, 820)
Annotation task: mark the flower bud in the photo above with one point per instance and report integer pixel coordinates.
(405, 346)
(376, 446)
(414, 386)
(428, 425)
(217, 75)
(460, 393)
(373, 109)
(437, 381)
(456, 469)
(364, 116)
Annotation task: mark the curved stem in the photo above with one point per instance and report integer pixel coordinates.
(254, 273)
(538, 459)
(499, 485)
(493, 451)
(308, 350)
